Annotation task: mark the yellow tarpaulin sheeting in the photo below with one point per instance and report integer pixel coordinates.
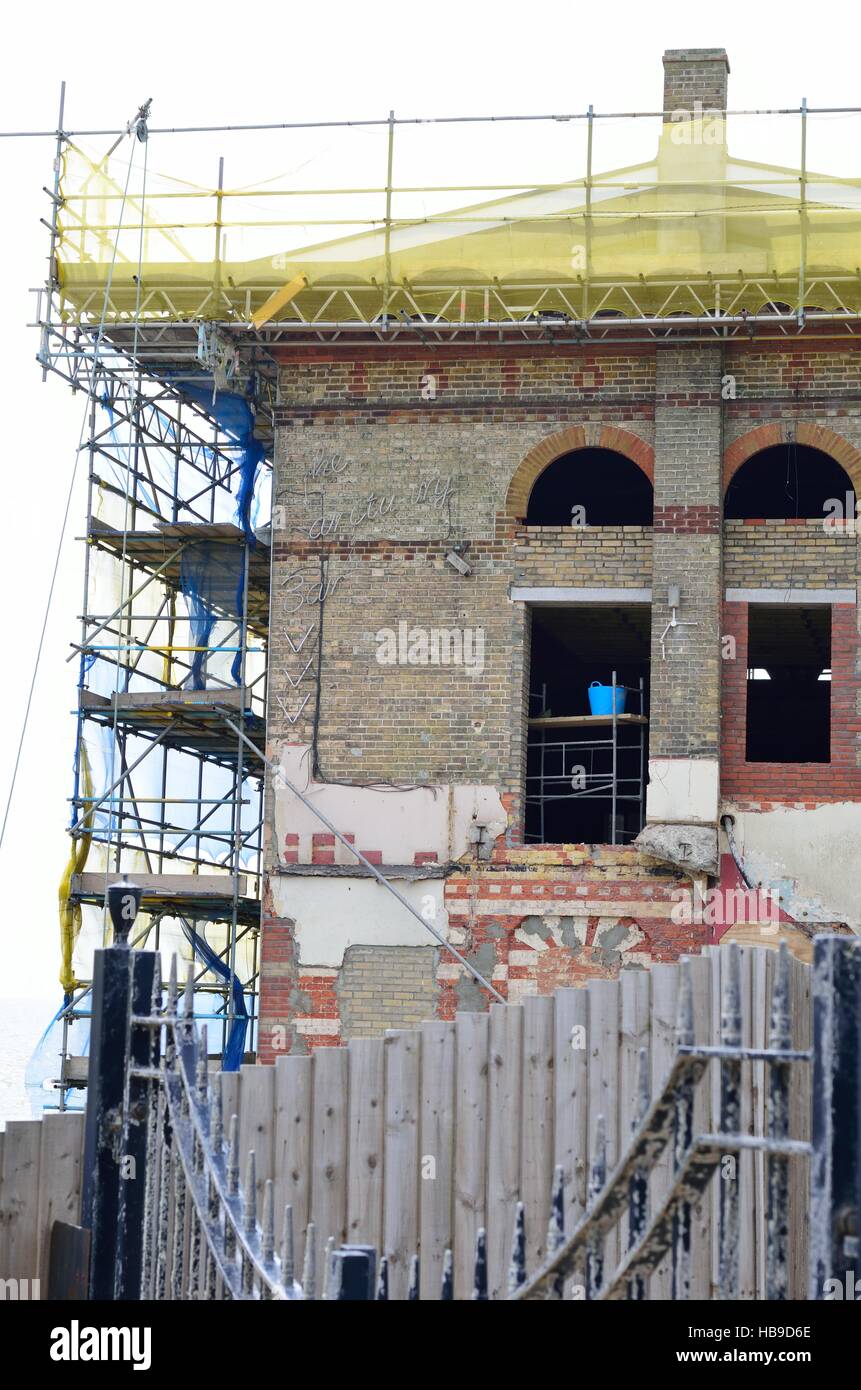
(691, 230)
(70, 913)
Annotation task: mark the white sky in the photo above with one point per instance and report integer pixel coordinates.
(228, 63)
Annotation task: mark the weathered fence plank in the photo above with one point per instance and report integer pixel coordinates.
(60, 1167)
(472, 1038)
(604, 996)
(664, 992)
(571, 1104)
(19, 1200)
(231, 1096)
(292, 1143)
(536, 1178)
(257, 1120)
(365, 1137)
(634, 1034)
(329, 1149)
(401, 1198)
(436, 1143)
(505, 1098)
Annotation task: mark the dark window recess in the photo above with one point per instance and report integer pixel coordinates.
(569, 765)
(789, 685)
(788, 480)
(591, 487)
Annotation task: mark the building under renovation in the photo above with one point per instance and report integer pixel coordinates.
(550, 638)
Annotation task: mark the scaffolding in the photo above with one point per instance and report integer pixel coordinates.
(171, 658)
(604, 769)
(624, 224)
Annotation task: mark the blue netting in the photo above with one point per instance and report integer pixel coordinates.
(234, 415)
(234, 1049)
(212, 578)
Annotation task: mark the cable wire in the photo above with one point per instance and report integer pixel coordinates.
(62, 536)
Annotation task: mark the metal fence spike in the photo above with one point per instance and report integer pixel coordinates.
(556, 1225)
(202, 1073)
(309, 1269)
(233, 1158)
(414, 1286)
(479, 1287)
(730, 1123)
(156, 999)
(288, 1265)
(216, 1118)
(172, 988)
(188, 995)
(267, 1239)
(382, 1295)
(447, 1287)
(598, 1171)
(517, 1263)
(249, 1197)
(777, 1128)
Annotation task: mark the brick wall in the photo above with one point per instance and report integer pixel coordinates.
(612, 557)
(794, 784)
(687, 552)
(533, 920)
(695, 75)
(376, 485)
(383, 987)
(787, 554)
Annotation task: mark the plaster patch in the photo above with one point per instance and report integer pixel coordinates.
(811, 854)
(433, 819)
(332, 914)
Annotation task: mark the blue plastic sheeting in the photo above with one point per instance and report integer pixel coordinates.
(234, 1049)
(43, 1067)
(212, 579)
(234, 416)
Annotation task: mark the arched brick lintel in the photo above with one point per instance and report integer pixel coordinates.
(565, 442)
(814, 436)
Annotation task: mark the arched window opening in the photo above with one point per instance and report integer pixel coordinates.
(789, 480)
(591, 487)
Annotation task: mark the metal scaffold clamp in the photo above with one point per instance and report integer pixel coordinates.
(139, 123)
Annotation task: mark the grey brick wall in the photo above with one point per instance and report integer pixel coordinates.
(384, 987)
(695, 74)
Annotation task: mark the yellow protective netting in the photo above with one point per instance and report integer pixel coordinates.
(686, 226)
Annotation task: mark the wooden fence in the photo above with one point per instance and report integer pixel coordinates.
(415, 1140)
(41, 1163)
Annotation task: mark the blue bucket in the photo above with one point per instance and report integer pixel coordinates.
(601, 698)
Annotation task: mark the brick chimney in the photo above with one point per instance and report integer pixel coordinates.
(695, 75)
